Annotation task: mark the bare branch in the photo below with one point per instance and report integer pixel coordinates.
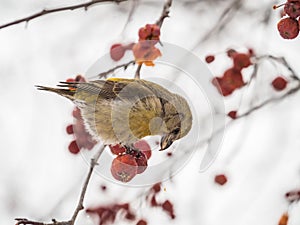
(94, 160)
(282, 61)
(80, 207)
(165, 13)
(49, 11)
(125, 66)
(138, 72)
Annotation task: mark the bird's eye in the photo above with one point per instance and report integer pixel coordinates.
(176, 131)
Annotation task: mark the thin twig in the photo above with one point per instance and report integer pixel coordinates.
(165, 13)
(282, 61)
(85, 6)
(138, 72)
(125, 66)
(94, 160)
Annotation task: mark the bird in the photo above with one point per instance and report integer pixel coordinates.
(123, 111)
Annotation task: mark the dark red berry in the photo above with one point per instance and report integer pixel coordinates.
(73, 147)
(292, 9)
(279, 83)
(142, 163)
(142, 222)
(221, 179)
(168, 207)
(69, 129)
(209, 58)
(156, 188)
(124, 168)
(144, 147)
(288, 28)
(241, 61)
(232, 114)
(117, 149)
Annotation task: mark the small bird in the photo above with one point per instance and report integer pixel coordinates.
(123, 111)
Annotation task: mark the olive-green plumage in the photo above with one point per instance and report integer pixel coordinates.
(125, 110)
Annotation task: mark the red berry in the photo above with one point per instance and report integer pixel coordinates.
(117, 52)
(292, 9)
(142, 163)
(156, 187)
(209, 58)
(221, 179)
(232, 114)
(288, 28)
(168, 207)
(149, 32)
(70, 80)
(124, 168)
(73, 147)
(144, 147)
(279, 83)
(241, 61)
(231, 80)
(117, 149)
(69, 129)
(142, 222)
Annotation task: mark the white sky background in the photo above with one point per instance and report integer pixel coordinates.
(41, 180)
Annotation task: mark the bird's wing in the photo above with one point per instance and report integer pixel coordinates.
(116, 89)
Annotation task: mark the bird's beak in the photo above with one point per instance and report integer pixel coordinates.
(166, 142)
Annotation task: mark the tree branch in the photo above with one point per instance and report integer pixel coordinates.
(85, 5)
(94, 160)
(125, 65)
(165, 13)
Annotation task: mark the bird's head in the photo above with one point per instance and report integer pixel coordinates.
(178, 120)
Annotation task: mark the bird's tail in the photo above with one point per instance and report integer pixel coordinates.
(66, 89)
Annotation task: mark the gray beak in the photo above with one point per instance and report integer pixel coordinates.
(166, 141)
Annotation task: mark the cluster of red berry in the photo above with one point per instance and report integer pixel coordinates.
(108, 214)
(82, 139)
(130, 162)
(166, 205)
(288, 26)
(144, 51)
(232, 78)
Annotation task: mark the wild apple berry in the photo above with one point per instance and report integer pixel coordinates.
(144, 147)
(142, 222)
(221, 179)
(240, 61)
(288, 28)
(124, 168)
(69, 129)
(209, 58)
(292, 9)
(232, 114)
(142, 162)
(73, 147)
(279, 83)
(117, 52)
(117, 149)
